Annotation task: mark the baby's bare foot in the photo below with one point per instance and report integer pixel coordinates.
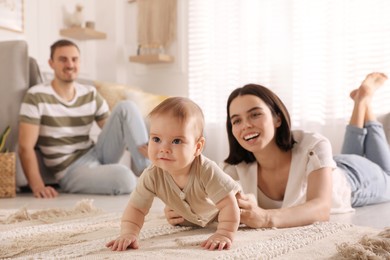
(371, 83)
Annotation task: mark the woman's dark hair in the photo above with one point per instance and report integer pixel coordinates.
(283, 136)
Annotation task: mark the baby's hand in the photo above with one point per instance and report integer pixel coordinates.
(217, 242)
(123, 242)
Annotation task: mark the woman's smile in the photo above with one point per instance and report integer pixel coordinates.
(251, 136)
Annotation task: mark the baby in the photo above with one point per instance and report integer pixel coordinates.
(185, 180)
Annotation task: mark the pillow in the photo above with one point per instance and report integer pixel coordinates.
(113, 93)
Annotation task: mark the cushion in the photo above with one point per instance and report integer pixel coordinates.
(113, 92)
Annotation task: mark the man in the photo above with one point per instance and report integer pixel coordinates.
(57, 118)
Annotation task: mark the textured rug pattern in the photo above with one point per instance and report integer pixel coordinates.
(83, 234)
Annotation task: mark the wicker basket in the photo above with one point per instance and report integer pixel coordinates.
(7, 175)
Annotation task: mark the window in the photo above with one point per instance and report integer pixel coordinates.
(310, 53)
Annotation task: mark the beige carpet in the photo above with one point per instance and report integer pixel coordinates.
(81, 233)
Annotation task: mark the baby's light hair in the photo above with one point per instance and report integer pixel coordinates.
(181, 108)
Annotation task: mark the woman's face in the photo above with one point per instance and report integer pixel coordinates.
(253, 125)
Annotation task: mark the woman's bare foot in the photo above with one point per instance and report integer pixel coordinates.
(371, 83)
(353, 93)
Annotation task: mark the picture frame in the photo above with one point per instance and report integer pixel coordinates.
(12, 15)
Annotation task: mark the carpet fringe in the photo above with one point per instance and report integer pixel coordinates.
(368, 247)
(82, 207)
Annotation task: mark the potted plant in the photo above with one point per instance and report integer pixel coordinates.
(3, 139)
(7, 167)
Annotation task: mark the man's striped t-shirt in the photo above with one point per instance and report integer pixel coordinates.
(64, 132)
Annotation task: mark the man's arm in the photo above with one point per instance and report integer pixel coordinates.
(28, 136)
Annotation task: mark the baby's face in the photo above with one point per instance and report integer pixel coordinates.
(173, 145)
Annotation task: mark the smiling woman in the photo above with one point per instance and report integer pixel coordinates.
(291, 178)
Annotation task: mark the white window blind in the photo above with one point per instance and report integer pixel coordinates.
(310, 53)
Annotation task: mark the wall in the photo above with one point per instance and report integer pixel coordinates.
(108, 59)
(168, 79)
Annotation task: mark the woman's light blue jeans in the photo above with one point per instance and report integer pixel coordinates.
(366, 160)
(98, 171)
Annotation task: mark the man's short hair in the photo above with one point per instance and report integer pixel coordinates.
(61, 43)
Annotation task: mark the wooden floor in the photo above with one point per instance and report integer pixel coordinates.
(377, 216)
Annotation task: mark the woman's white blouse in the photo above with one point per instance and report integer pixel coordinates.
(311, 152)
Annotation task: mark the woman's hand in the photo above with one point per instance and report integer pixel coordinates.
(316, 208)
(172, 217)
(251, 215)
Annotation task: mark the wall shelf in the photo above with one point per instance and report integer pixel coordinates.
(80, 33)
(152, 58)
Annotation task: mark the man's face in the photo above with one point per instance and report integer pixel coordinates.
(65, 63)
